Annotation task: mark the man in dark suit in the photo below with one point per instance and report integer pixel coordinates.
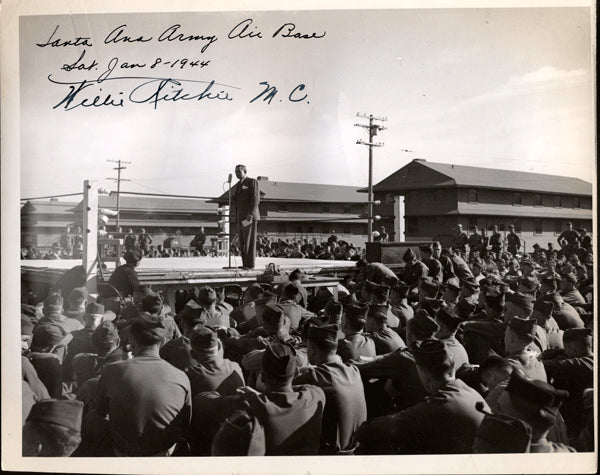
(246, 199)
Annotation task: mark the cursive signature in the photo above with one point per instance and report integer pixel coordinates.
(141, 90)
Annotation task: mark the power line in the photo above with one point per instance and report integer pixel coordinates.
(51, 196)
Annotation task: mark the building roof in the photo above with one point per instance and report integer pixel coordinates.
(154, 204)
(311, 192)
(284, 216)
(420, 174)
(48, 207)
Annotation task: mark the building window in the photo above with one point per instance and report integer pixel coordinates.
(389, 198)
(516, 198)
(472, 221)
(282, 207)
(537, 199)
(310, 230)
(538, 228)
(412, 225)
(501, 227)
(472, 196)
(576, 202)
(558, 201)
(347, 209)
(281, 227)
(298, 229)
(347, 229)
(326, 209)
(557, 226)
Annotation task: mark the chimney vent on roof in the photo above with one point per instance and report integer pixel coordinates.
(53, 200)
(451, 166)
(262, 178)
(419, 160)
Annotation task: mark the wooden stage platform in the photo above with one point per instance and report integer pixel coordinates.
(177, 273)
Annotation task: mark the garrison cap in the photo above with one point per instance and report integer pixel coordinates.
(240, 435)
(422, 326)
(356, 311)
(332, 307)
(453, 283)
(53, 302)
(500, 434)
(523, 327)
(430, 353)
(494, 297)
(470, 283)
(64, 413)
(465, 309)
(380, 290)
(94, 309)
(430, 286)
(535, 391)
(48, 335)
(192, 313)
(324, 332)
(178, 353)
(279, 360)
(255, 291)
(409, 255)
(77, 296)
(152, 303)
(203, 337)
(431, 305)
(378, 312)
(206, 295)
(149, 323)
(448, 317)
(272, 313)
(402, 288)
(570, 277)
(522, 301)
(582, 335)
(529, 283)
(133, 255)
(106, 334)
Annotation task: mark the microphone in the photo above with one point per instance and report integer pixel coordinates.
(229, 178)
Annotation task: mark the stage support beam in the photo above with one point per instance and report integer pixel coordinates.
(90, 232)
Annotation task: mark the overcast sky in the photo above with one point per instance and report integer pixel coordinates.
(505, 88)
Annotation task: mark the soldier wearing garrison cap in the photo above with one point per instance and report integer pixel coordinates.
(124, 278)
(292, 309)
(345, 406)
(565, 315)
(542, 312)
(386, 340)
(536, 403)
(356, 343)
(500, 434)
(212, 372)
(53, 428)
(449, 322)
(159, 392)
(400, 306)
(414, 271)
(436, 270)
(291, 417)
(376, 272)
(53, 313)
(572, 370)
(443, 424)
(520, 349)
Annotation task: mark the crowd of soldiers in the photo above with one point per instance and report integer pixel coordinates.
(330, 249)
(463, 350)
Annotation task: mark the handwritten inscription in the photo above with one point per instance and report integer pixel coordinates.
(146, 80)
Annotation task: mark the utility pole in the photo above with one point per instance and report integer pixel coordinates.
(119, 167)
(373, 129)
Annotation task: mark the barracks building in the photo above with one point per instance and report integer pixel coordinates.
(438, 196)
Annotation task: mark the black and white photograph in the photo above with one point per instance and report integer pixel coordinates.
(347, 237)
